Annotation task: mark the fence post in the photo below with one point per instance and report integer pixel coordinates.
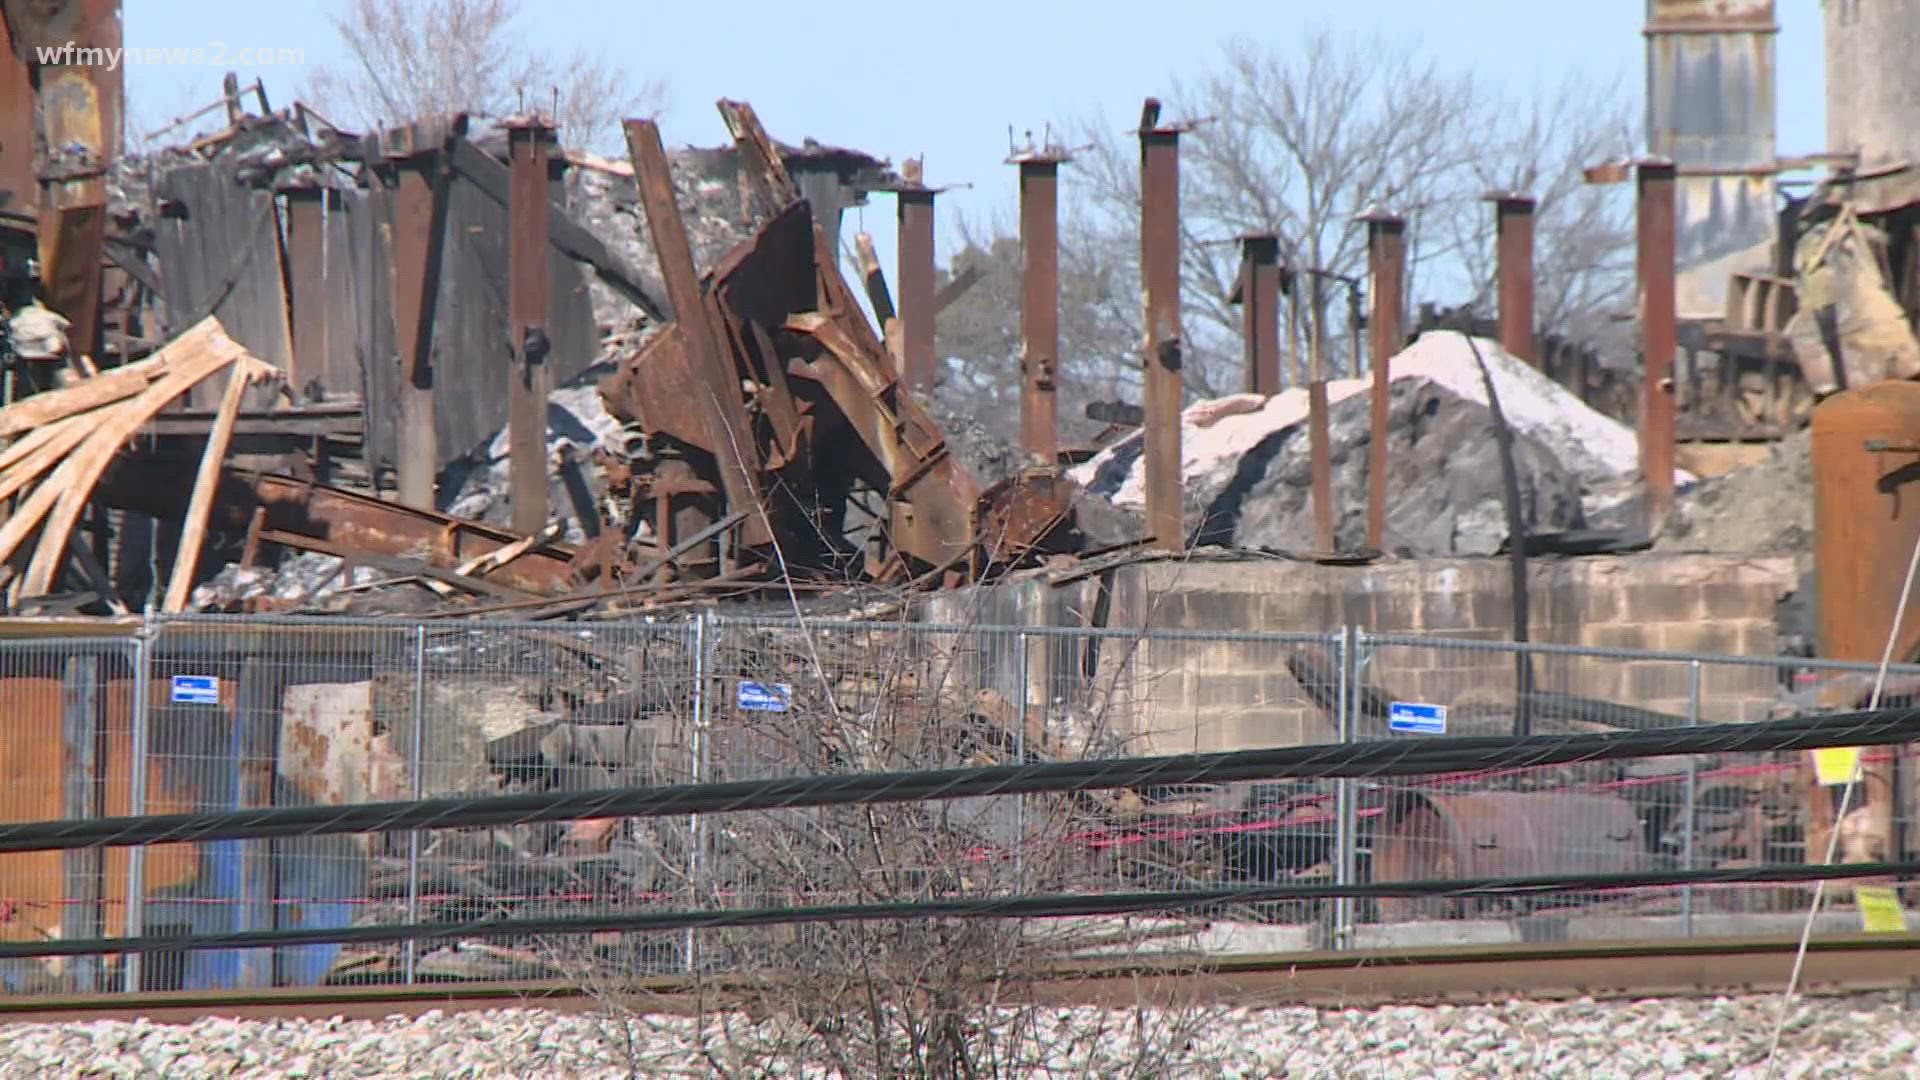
(1346, 820)
(1020, 756)
(1693, 791)
(137, 740)
(416, 784)
(697, 766)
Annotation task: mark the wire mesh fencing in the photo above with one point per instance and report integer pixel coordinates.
(1736, 807)
(70, 755)
(207, 714)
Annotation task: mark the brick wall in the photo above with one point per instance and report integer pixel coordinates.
(1211, 695)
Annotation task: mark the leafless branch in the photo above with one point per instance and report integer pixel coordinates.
(414, 58)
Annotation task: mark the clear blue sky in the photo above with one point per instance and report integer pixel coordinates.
(946, 80)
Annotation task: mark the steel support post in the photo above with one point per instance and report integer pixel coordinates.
(1513, 231)
(1346, 820)
(916, 286)
(1022, 693)
(1260, 311)
(137, 739)
(1039, 308)
(1160, 271)
(530, 142)
(416, 787)
(697, 768)
(1693, 794)
(1319, 441)
(307, 283)
(418, 449)
(1657, 335)
(1387, 275)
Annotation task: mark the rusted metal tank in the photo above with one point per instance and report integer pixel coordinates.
(1433, 836)
(1866, 517)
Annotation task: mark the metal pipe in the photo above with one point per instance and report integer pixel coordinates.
(1513, 230)
(1160, 273)
(1260, 311)
(1040, 309)
(416, 786)
(916, 286)
(1387, 271)
(1656, 272)
(530, 142)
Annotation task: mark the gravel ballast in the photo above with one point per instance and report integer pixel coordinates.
(1864, 1037)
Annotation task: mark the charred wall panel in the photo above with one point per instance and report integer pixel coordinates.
(374, 354)
(219, 247)
(472, 354)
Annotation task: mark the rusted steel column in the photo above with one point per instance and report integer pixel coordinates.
(1513, 229)
(1387, 273)
(710, 373)
(79, 105)
(1039, 306)
(17, 180)
(415, 180)
(417, 450)
(1319, 440)
(1260, 311)
(1160, 274)
(1657, 335)
(530, 145)
(307, 283)
(916, 286)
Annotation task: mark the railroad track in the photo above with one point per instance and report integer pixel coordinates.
(1851, 964)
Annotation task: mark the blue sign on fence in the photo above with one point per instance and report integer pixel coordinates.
(1417, 718)
(763, 697)
(196, 690)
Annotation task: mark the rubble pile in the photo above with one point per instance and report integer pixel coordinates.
(1763, 507)
(1246, 460)
(608, 205)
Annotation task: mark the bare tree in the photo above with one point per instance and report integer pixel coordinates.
(1098, 349)
(918, 996)
(1583, 233)
(415, 58)
(1299, 142)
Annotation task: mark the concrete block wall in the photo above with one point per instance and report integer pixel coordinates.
(1199, 696)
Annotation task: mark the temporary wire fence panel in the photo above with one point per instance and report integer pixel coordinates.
(69, 705)
(216, 714)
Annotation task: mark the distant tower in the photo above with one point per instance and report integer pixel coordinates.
(1710, 106)
(1873, 85)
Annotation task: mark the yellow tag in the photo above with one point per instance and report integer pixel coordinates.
(1836, 765)
(1880, 911)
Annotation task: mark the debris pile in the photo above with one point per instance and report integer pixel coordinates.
(1765, 507)
(66, 439)
(1245, 458)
